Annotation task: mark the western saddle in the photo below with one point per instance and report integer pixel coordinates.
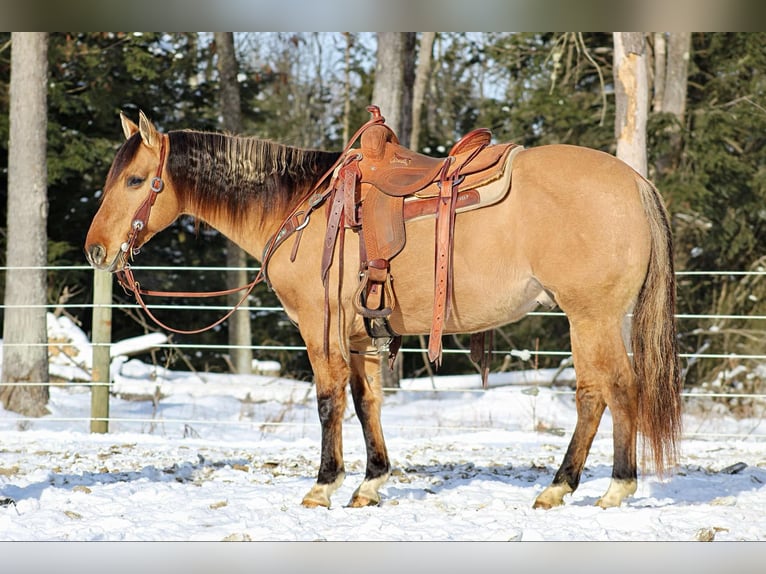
(381, 185)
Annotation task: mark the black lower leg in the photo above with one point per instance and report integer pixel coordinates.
(331, 464)
(377, 456)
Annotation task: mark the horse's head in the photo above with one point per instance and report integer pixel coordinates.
(138, 199)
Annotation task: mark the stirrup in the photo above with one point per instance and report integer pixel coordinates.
(359, 300)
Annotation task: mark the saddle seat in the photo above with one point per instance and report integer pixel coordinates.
(398, 171)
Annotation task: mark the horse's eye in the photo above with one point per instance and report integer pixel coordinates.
(135, 181)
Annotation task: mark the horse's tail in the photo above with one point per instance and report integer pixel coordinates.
(654, 342)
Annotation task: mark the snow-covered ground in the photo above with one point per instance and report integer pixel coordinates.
(196, 457)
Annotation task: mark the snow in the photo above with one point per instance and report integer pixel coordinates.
(215, 457)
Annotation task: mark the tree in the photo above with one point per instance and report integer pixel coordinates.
(394, 78)
(392, 93)
(631, 98)
(25, 352)
(671, 71)
(240, 335)
(422, 73)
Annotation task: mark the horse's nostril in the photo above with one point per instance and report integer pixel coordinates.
(96, 254)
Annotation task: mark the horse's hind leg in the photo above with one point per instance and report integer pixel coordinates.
(367, 394)
(622, 400)
(604, 376)
(331, 375)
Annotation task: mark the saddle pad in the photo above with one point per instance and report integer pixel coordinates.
(473, 195)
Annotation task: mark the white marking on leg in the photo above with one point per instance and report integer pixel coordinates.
(320, 494)
(619, 490)
(552, 496)
(367, 493)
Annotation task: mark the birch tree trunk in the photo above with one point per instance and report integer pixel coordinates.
(631, 98)
(240, 332)
(347, 86)
(25, 351)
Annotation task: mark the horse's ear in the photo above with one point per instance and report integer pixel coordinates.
(149, 133)
(128, 127)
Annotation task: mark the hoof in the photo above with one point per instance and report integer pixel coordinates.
(552, 496)
(367, 493)
(313, 502)
(546, 504)
(319, 495)
(604, 503)
(618, 491)
(362, 501)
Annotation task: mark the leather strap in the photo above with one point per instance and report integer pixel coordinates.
(443, 272)
(350, 175)
(128, 282)
(331, 234)
(141, 216)
(442, 265)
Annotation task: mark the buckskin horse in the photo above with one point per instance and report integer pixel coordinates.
(375, 242)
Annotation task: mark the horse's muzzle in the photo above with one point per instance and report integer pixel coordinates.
(96, 255)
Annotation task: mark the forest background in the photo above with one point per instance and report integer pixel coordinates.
(707, 157)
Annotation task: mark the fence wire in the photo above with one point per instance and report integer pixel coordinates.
(695, 395)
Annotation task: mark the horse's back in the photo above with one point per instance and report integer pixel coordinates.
(573, 174)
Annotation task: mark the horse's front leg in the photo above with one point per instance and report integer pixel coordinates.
(368, 395)
(331, 374)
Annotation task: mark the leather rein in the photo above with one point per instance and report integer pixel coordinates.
(289, 226)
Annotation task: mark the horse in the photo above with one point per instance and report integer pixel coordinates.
(576, 228)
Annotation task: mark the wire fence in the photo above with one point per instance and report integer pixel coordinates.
(81, 308)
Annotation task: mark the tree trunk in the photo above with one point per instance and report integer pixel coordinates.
(25, 335)
(240, 334)
(422, 74)
(677, 71)
(394, 78)
(660, 61)
(673, 96)
(392, 92)
(631, 98)
(347, 86)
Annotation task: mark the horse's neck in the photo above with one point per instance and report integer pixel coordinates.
(246, 187)
(248, 233)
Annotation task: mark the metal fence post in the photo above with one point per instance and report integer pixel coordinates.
(102, 338)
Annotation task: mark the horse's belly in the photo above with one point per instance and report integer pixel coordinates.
(478, 303)
(492, 279)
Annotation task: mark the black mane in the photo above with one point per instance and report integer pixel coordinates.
(231, 174)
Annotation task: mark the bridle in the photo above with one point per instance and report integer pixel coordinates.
(125, 276)
(291, 225)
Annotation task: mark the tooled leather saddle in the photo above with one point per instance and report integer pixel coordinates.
(381, 185)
